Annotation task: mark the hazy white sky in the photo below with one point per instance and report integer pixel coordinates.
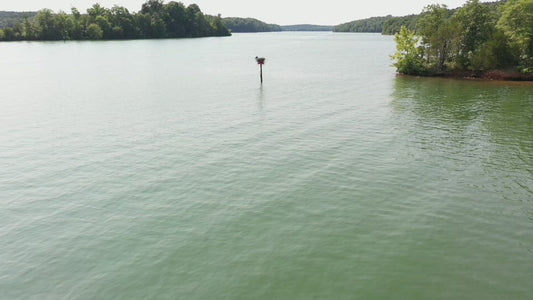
(283, 12)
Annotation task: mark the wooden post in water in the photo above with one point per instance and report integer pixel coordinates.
(261, 62)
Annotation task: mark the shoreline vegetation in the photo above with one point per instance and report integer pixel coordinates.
(155, 20)
(249, 25)
(474, 41)
(490, 40)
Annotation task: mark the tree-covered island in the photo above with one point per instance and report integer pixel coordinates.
(476, 40)
(156, 19)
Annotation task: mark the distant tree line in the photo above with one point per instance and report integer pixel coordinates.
(254, 25)
(249, 25)
(393, 25)
(306, 27)
(390, 25)
(373, 24)
(474, 38)
(11, 18)
(155, 20)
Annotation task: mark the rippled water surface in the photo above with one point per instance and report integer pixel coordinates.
(162, 169)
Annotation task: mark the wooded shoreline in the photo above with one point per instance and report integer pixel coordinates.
(475, 41)
(155, 20)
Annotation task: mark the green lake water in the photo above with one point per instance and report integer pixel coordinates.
(162, 169)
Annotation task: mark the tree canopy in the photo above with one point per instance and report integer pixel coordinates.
(156, 19)
(10, 18)
(474, 38)
(393, 25)
(374, 24)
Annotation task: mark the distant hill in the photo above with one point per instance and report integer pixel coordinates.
(306, 27)
(253, 25)
(10, 18)
(373, 24)
(249, 25)
(391, 25)
(394, 24)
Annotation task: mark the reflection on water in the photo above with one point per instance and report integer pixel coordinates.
(486, 126)
(503, 109)
(260, 98)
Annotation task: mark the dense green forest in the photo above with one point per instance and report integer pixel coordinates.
(374, 24)
(474, 40)
(249, 25)
(155, 20)
(306, 27)
(394, 24)
(10, 18)
(391, 25)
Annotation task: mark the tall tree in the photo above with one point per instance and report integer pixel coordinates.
(28, 28)
(517, 23)
(96, 10)
(64, 25)
(196, 22)
(152, 7)
(45, 25)
(176, 22)
(438, 34)
(78, 24)
(123, 23)
(475, 23)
